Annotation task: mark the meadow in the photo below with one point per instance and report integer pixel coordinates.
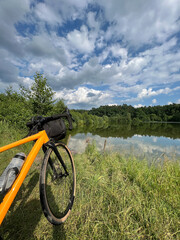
(116, 198)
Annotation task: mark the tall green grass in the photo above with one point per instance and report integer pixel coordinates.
(116, 198)
(9, 134)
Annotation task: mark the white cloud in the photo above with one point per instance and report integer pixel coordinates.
(146, 93)
(135, 65)
(150, 20)
(8, 72)
(83, 96)
(91, 20)
(149, 92)
(138, 105)
(80, 40)
(154, 101)
(169, 103)
(60, 11)
(118, 51)
(115, 50)
(47, 14)
(45, 46)
(12, 12)
(26, 81)
(112, 104)
(38, 66)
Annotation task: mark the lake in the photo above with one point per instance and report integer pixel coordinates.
(153, 141)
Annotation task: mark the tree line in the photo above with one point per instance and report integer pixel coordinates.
(127, 113)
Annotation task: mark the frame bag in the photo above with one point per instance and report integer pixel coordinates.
(55, 129)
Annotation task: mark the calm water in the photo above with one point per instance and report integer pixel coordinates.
(153, 141)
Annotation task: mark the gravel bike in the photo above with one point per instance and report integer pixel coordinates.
(57, 182)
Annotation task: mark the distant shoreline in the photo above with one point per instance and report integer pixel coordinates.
(160, 122)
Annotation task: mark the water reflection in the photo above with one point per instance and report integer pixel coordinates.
(146, 140)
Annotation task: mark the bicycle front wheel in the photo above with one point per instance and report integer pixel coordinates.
(57, 187)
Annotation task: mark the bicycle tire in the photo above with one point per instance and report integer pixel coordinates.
(57, 196)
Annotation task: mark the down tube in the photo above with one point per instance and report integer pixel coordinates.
(9, 197)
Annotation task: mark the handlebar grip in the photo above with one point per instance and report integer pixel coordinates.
(69, 118)
(29, 124)
(70, 122)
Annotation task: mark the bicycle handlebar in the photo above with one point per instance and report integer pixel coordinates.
(39, 120)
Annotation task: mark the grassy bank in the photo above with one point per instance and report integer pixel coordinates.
(116, 198)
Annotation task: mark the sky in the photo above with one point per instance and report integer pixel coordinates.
(93, 52)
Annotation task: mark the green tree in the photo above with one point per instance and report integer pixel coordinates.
(176, 117)
(87, 119)
(40, 95)
(58, 107)
(14, 108)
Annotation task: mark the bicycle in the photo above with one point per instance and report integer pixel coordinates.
(57, 182)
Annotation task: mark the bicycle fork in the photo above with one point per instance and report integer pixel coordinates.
(54, 148)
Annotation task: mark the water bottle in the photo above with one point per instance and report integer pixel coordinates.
(9, 175)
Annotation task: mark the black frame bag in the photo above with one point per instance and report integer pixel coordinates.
(55, 129)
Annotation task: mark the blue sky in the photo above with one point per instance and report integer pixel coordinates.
(93, 52)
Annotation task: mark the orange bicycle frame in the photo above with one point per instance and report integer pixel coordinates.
(41, 138)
